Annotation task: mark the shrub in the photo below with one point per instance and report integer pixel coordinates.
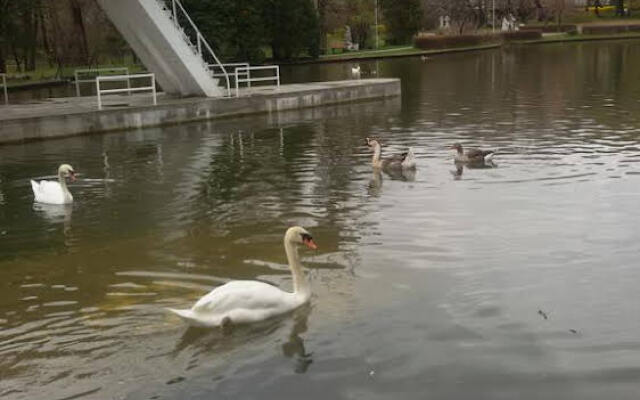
(600, 29)
(522, 35)
(551, 28)
(432, 42)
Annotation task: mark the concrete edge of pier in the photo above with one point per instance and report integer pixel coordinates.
(78, 116)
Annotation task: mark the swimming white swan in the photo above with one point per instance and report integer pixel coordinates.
(240, 302)
(355, 72)
(51, 192)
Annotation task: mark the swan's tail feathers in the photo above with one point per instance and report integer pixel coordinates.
(409, 160)
(189, 316)
(35, 186)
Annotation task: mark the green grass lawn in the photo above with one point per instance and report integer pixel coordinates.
(368, 52)
(46, 73)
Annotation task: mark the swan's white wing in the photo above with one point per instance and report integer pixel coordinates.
(49, 192)
(243, 295)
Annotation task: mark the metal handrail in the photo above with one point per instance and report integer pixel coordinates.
(233, 66)
(200, 40)
(246, 72)
(116, 78)
(4, 88)
(78, 81)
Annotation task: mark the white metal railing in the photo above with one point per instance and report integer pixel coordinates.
(4, 88)
(96, 72)
(201, 43)
(215, 69)
(246, 71)
(120, 78)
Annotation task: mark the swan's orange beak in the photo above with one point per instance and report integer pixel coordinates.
(310, 244)
(72, 176)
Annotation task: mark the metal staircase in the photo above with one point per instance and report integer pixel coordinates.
(170, 45)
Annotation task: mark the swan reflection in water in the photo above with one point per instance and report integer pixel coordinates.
(57, 214)
(223, 340)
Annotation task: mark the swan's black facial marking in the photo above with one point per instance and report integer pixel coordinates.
(307, 240)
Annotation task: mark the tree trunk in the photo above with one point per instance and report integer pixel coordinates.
(16, 57)
(45, 37)
(76, 12)
(31, 52)
(3, 62)
(321, 8)
(620, 8)
(541, 13)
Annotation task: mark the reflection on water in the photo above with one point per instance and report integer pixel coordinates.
(423, 283)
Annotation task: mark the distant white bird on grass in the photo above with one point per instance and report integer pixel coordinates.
(51, 192)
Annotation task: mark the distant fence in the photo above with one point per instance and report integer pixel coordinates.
(95, 72)
(4, 88)
(129, 89)
(243, 75)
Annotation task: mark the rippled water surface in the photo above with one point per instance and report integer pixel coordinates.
(519, 281)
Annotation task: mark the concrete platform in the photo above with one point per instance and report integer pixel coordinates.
(62, 117)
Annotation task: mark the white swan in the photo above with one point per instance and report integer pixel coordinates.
(251, 301)
(51, 192)
(355, 72)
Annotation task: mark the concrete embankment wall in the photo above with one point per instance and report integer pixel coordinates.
(28, 125)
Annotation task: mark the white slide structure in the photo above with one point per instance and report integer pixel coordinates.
(169, 44)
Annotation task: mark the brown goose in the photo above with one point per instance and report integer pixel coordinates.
(472, 155)
(404, 160)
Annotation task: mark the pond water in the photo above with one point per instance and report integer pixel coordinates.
(518, 281)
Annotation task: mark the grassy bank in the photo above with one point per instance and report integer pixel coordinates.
(583, 38)
(406, 51)
(45, 75)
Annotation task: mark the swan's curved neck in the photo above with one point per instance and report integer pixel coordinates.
(300, 283)
(375, 161)
(63, 183)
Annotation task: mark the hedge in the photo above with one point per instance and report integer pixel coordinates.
(434, 42)
(522, 35)
(551, 28)
(429, 42)
(600, 29)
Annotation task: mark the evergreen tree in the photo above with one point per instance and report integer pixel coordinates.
(403, 19)
(293, 28)
(234, 28)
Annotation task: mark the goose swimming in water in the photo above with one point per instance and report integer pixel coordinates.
(239, 302)
(404, 160)
(51, 192)
(472, 155)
